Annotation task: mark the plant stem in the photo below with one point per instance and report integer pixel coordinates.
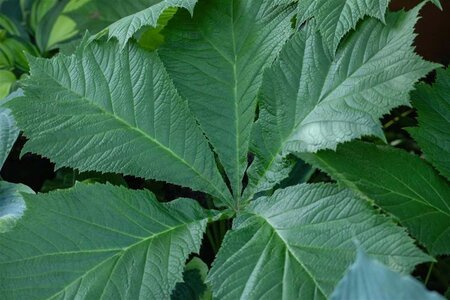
(429, 273)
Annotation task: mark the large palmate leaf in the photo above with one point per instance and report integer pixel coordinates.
(12, 204)
(8, 133)
(433, 106)
(99, 242)
(310, 101)
(368, 279)
(400, 183)
(217, 60)
(298, 243)
(115, 111)
(337, 17)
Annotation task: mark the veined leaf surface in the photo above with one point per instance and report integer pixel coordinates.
(115, 111)
(99, 242)
(335, 18)
(147, 14)
(12, 204)
(400, 183)
(310, 101)
(221, 79)
(433, 106)
(298, 243)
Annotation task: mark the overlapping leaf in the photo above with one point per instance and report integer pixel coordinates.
(12, 204)
(369, 279)
(99, 242)
(310, 101)
(400, 183)
(433, 105)
(8, 133)
(137, 14)
(217, 60)
(337, 17)
(108, 110)
(298, 243)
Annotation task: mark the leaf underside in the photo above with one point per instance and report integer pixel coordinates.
(369, 279)
(298, 243)
(99, 242)
(8, 134)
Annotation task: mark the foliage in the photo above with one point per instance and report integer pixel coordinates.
(224, 98)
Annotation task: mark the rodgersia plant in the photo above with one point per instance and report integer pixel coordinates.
(234, 79)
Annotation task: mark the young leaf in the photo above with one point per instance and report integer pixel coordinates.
(400, 183)
(368, 279)
(335, 18)
(298, 243)
(115, 111)
(8, 133)
(12, 204)
(217, 60)
(194, 286)
(310, 101)
(99, 242)
(150, 10)
(432, 135)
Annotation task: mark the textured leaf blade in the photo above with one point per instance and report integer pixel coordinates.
(368, 279)
(335, 18)
(310, 101)
(8, 133)
(221, 79)
(12, 204)
(298, 243)
(432, 135)
(400, 183)
(126, 27)
(99, 242)
(115, 111)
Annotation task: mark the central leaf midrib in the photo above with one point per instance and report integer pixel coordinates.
(145, 135)
(120, 254)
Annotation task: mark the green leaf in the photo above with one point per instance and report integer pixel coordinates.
(12, 204)
(193, 286)
(368, 279)
(432, 135)
(115, 111)
(99, 242)
(310, 101)
(400, 183)
(335, 18)
(150, 10)
(217, 60)
(298, 243)
(8, 133)
(7, 79)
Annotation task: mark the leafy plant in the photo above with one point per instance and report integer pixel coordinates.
(237, 89)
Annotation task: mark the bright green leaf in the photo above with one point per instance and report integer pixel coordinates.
(433, 106)
(217, 60)
(400, 183)
(334, 18)
(7, 79)
(298, 243)
(367, 279)
(310, 101)
(8, 134)
(99, 242)
(12, 204)
(115, 111)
